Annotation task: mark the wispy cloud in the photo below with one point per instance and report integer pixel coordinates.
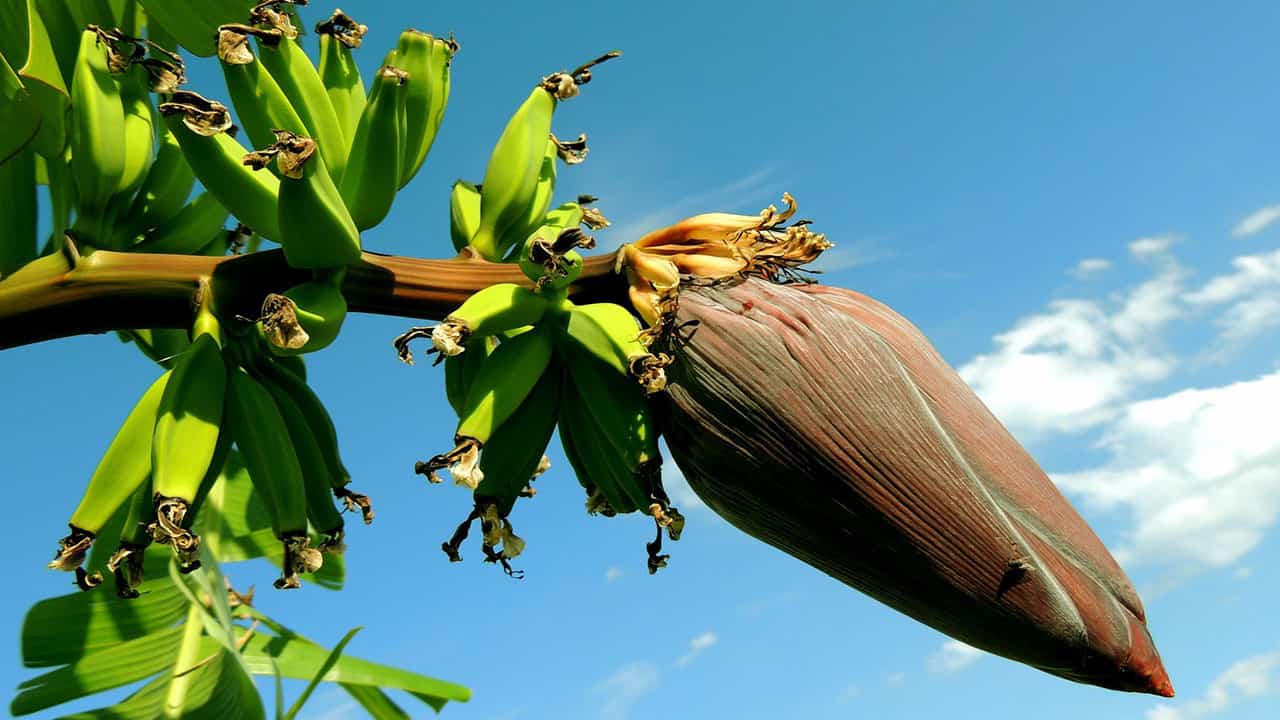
(1251, 292)
(624, 688)
(1089, 267)
(953, 656)
(612, 574)
(1149, 247)
(697, 645)
(1257, 221)
(1249, 678)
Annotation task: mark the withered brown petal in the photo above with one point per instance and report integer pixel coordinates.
(843, 439)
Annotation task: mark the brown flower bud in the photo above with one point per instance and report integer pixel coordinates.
(823, 423)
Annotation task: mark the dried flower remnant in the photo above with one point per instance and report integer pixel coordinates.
(827, 426)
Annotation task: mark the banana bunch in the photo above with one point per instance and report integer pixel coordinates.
(519, 362)
(223, 387)
(497, 216)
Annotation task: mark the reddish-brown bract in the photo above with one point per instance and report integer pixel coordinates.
(823, 423)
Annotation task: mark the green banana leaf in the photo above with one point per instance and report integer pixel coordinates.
(19, 114)
(26, 44)
(324, 669)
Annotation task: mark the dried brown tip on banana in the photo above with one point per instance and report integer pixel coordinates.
(598, 504)
(269, 14)
(280, 322)
(233, 42)
(86, 580)
(592, 218)
(72, 550)
(571, 152)
(352, 501)
(463, 462)
(332, 543)
(341, 27)
(650, 371)
(171, 513)
(564, 85)
(125, 565)
(450, 336)
(657, 560)
(290, 151)
(451, 546)
(299, 559)
(201, 115)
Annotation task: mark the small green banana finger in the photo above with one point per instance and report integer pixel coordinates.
(263, 438)
(369, 186)
(124, 467)
(189, 231)
(298, 79)
(97, 126)
(464, 213)
(125, 564)
(216, 159)
(339, 35)
(460, 370)
(427, 60)
(506, 378)
(166, 188)
(306, 317)
(611, 334)
(515, 451)
(187, 430)
(261, 104)
(316, 230)
(495, 309)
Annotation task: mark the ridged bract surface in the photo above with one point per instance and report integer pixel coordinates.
(823, 423)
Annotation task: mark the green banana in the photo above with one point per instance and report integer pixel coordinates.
(316, 230)
(541, 202)
(369, 184)
(18, 222)
(161, 345)
(187, 430)
(216, 159)
(601, 471)
(97, 126)
(513, 455)
(279, 372)
(339, 35)
(139, 134)
(263, 438)
(166, 188)
(611, 334)
(124, 467)
(292, 70)
(259, 100)
(306, 317)
(194, 24)
(464, 213)
(504, 380)
(549, 256)
(493, 310)
(427, 60)
(460, 370)
(189, 231)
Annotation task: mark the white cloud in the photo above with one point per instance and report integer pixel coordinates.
(1252, 288)
(1249, 678)
(1243, 573)
(612, 574)
(1072, 367)
(624, 688)
(1149, 247)
(1257, 221)
(697, 645)
(1090, 266)
(953, 656)
(1198, 470)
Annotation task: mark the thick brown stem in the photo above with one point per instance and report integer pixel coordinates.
(69, 294)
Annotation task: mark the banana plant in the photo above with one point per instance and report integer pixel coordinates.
(194, 641)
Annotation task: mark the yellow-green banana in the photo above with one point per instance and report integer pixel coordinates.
(292, 70)
(139, 134)
(427, 60)
(339, 35)
(369, 184)
(124, 467)
(611, 334)
(306, 317)
(503, 382)
(493, 310)
(549, 255)
(600, 470)
(97, 127)
(216, 159)
(263, 438)
(189, 231)
(186, 435)
(514, 453)
(261, 104)
(464, 213)
(125, 564)
(541, 202)
(166, 188)
(316, 231)
(461, 370)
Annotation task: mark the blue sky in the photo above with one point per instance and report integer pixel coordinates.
(1078, 204)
